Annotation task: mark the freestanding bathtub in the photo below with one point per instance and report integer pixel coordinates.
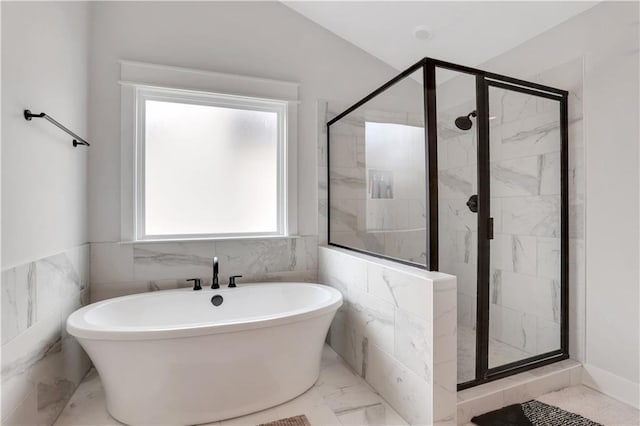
(174, 358)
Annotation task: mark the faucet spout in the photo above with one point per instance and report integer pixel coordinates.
(214, 280)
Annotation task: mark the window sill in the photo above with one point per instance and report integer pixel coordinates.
(200, 240)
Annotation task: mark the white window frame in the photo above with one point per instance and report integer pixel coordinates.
(202, 88)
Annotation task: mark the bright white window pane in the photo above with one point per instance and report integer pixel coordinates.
(210, 170)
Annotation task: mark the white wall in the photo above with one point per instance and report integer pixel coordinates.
(44, 189)
(256, 39)
(45, 268)
(606, 37)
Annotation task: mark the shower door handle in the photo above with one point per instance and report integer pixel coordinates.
(472, 203)
(490, 229)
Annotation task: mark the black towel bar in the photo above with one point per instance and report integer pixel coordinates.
(77, 140)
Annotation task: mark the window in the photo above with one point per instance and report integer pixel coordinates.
(209, 165)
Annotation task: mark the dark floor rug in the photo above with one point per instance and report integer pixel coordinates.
(290, 421)
(532, 413)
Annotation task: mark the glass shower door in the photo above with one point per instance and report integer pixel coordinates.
(525, 273)
(458, 204)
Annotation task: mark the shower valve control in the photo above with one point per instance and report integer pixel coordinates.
(472, 203)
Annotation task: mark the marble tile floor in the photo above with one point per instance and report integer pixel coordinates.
(339, 397)
(593, 405)
(499, 353)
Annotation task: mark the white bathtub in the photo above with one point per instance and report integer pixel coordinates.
(172, 357)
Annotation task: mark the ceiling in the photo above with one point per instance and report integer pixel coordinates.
(467, 33)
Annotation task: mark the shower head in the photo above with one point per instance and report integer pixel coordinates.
(464, 122)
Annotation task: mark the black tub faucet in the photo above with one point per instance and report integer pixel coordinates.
(214, 280)
(196, 283)
(232, 280)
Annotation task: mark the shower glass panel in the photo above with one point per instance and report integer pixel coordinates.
(457, 193)
(525, 188)
(377, 192)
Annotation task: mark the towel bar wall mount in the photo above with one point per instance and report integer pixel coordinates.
(77, 140)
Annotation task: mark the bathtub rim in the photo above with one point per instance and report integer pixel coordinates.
(78, 327)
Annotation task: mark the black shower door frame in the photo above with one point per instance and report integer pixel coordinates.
(484, 80)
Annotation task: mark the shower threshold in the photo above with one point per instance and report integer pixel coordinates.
(518, 388)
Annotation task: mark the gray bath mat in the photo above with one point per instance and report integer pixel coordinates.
(532, 413)
(289, 421)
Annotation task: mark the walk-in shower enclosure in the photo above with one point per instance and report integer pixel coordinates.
(459, 170)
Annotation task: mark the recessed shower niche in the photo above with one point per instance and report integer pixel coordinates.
(454, 169)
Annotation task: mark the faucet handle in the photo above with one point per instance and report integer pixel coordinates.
(232, 280)
(196, 283)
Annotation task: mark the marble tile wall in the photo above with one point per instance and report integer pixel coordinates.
(397, 330)
(457, 182)
(525, 188)
(41, 364)
(525, 171)
(570, 77)
(118, 269)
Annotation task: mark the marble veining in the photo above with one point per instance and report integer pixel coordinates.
(18, 300)
(414, 343)
(456, 182)
(31, 286)
(516, 249)
(514, 175)
(57, 280)
(555, 300)
(467, 245)
(365, 356)
(372, 318)
(54, 394)
(120, 269)
(537, 133)
(148, 256)
(24, 363)
(41, 363)
(398, 332)
(496, 287)
(347, 183)
(390, 287)
(537, 215)
(514, 106)
(346, 215)
(61, 266)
